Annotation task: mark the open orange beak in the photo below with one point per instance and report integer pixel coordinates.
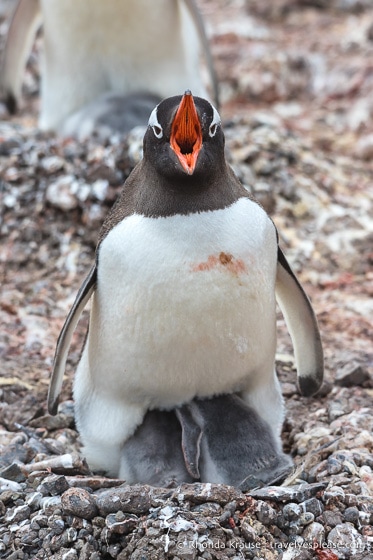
(186, 133)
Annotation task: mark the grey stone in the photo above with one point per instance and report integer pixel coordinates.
(79, 502)
(298, 493)
(365, 517)
(57, 422)
(292, 512)
(69, 554)
(198, 493)
(34, 500)
(332, 518)
(28, 537)
(306, 518)
(353, 373)
(53, 485)
(346, 539)
(265, 513)
(334, 466)
(13, 472)
(40, 519)
(314, 532)
(350, 500)
(335, 410)
(137, 499)
(17, 514)
(56, 524)
(209, 509)
(333, 496)
(16, 452)
(351, 514)
(248, 532)
(121, 523)
(313, 505)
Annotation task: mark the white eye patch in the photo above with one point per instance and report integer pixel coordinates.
(216, 121)
(154, 124)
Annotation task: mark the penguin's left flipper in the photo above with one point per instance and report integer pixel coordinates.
(302, 324)
(25, 22)
(63, 343)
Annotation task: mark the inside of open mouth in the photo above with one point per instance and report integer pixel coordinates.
(186, 148)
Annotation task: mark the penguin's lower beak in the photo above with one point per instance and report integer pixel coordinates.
(186, 133)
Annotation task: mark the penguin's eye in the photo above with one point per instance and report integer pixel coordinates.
(216, 121)
(158, 131)
(212, 130)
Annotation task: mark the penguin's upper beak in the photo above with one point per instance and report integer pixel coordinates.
(186, 133)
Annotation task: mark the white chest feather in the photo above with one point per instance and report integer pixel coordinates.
(185, 305)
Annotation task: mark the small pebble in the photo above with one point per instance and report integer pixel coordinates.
(332, 518)
(314, 506)
(352, 374)
(298, 493)
(17, 514)
(53, 485)
(265, 513)
(79, 502)
(120, 523)
(314, 532)
(292, 512)
(351, 514)
(346, 539)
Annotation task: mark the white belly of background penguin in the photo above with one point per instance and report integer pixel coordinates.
(184, 304)
(102, 60)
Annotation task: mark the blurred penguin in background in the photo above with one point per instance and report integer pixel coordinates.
(106, 64)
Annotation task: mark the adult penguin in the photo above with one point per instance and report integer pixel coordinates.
(187, 269)
(106, 64)
(220, 440)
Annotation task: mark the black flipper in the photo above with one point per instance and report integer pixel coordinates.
(302, 324)
(190, 441)
(63, 343)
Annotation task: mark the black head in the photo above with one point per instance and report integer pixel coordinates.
(184, 139)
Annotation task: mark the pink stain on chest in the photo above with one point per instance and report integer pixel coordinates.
(225, 260)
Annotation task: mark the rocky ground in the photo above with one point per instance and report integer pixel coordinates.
(296, 80)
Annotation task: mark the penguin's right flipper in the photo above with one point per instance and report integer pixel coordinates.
(190, 439)
(63, 343)
(198, 22)
(302, 324)
(21, 34)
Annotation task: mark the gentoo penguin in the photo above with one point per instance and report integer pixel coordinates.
(93, 49)
(154, 455)
(220, 440)
(187, 269)
(235, 446)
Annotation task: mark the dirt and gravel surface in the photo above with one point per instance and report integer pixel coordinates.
(296, 80)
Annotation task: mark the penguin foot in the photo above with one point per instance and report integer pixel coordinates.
(268, 478)
(110, 113)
